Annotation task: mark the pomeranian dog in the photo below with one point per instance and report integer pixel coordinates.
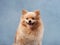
(30, 29)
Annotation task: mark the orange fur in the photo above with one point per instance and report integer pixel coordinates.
(27, 35)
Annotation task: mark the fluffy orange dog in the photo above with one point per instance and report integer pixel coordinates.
(30, 29)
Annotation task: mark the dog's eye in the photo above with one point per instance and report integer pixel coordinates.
(33, 18)
(27, 18)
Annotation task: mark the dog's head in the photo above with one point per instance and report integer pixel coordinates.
(30, 18)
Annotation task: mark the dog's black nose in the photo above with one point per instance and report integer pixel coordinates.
(29, 21)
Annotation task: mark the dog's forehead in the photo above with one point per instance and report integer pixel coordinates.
(31, 14)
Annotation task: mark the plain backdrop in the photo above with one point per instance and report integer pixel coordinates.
(10, 12)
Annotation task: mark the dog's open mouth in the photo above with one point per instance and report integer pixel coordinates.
(30, 24)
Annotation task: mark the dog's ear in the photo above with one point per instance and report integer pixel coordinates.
(24, 12)
(37, 12)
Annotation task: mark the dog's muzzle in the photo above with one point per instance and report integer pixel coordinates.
(30, 22)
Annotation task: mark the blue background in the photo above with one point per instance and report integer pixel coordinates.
(10, 12)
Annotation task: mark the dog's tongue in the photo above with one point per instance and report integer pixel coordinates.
(30, 25)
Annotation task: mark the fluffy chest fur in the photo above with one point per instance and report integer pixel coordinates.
(30, 34)
(29, 37)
